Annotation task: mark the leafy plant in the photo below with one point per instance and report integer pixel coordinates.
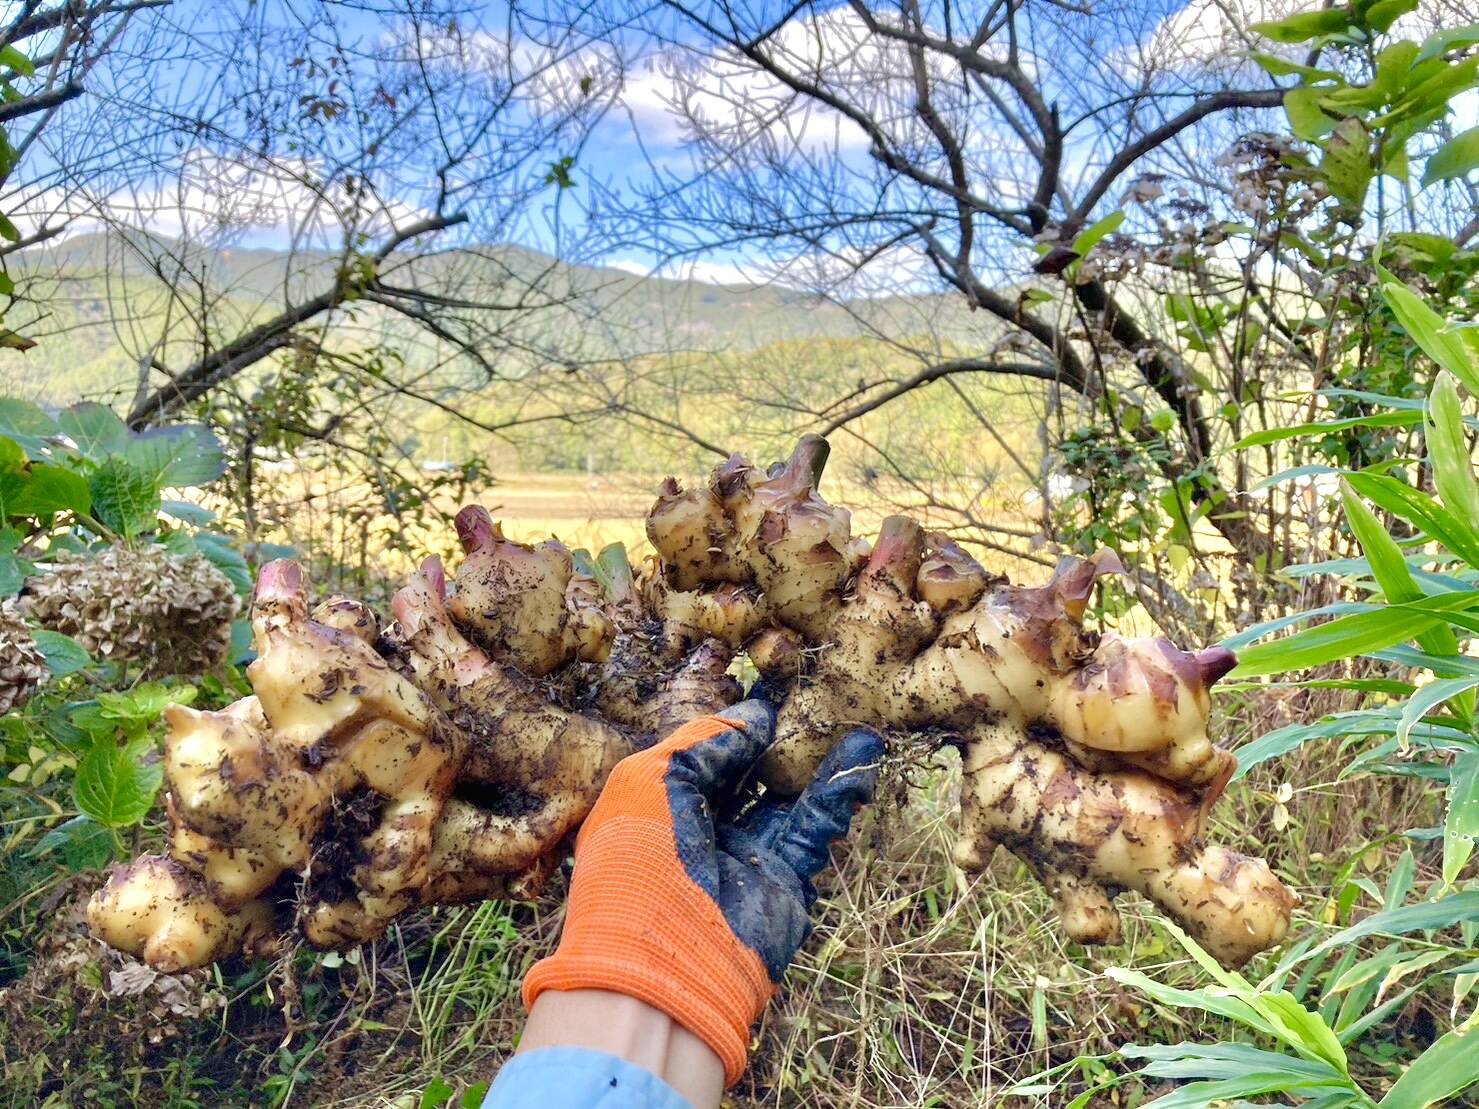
(1309, 1031)
(1418, 575)
(81, 759)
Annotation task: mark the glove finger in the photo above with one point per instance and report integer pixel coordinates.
(824, 811)
(764, 821)
(765, 908)
(762, 690)
(717, 763)
(738, 841)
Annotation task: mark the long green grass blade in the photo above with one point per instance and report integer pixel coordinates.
(1424, 917)
(1221, 1060)
(1461, 827)
(1325, 427)
(1354, 635)
(1446, 1068)
(1430, 332)
(1389, 567)
(1429, 697)
(1448, 451)
(1436, 521)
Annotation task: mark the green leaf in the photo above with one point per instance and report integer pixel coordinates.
(1458, 157)
(185, 454)
(1292, 473)
(13, 573)
(1304, 26)
(1442, 667)
(1346, 164)
(188, 513)
(124, 499)
(64, 655)
(52, 489)
(95, 428)
(1307, 119)
(1424, 917)
(1353, 635)
(28, 426)
(1388, 564)
(223, 555)
(83, 843)
(1401, 499)
(1448, 451)
(1380, 16)
(1429, 697)
(1438, 1073)
(1440, 42)
(1303, 1030)
(436, 1094)
(1461, 827)
(1281, 741)
(617, 567)
(1389, 567)
(1324, 427)
(1199, 1095)
(1276, 66)
(14, 59)
(1364, 970)
(1250, 635)
(144, 703)
(1408, 967)
(113, 786)
(1090, 236)
(1205, 1001)
(1427, 101)
(1430, 332)
(1221, 1060)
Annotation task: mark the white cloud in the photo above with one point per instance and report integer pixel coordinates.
(211, 199)
(704, 271)
(1214, 33)
(628, 265)
(672, 94)
(900, 269)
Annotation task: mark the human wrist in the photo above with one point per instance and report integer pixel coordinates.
(602, 1020)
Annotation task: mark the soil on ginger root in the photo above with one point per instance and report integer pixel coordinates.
(337, 849)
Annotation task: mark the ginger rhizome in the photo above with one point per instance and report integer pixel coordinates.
(449, 755)
(1088, 757)
(373, 771)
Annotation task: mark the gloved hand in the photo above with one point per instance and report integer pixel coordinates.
(697, 920)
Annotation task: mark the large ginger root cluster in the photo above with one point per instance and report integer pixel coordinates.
(449, 755)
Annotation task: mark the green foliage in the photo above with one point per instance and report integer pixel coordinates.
(81, 758)
(1421, 579)
(1366, 128)
(16, 66)
(85, 469)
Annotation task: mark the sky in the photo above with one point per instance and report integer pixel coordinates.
(221, 196)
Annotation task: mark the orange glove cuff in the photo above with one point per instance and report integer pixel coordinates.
(638, 925)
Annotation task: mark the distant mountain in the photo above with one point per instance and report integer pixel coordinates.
(97, 302)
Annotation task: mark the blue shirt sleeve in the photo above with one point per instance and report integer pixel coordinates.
(578, 1078)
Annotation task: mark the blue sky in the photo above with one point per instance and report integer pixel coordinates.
(616, 158)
